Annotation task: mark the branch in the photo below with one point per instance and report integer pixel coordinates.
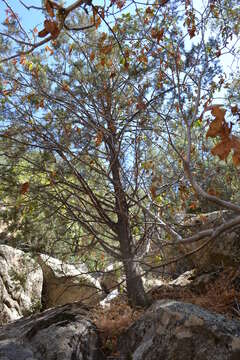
(204, 194)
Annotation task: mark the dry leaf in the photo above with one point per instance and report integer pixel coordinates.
(236, 158)
(52, 28)
(24, 188)
(222, 149)
(49, 8)
(43, 33)
(92, 56)
(99, 138)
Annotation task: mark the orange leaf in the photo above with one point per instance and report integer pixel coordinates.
(106, 49)
(92, 56)
(218, 112)
(153, 192)
(49, 8)
(24, 188)
(47, 48)
(222, 149)
(193, 206)
(99, 138)
(218, 126)
(98, 22)
(157, 34)
(143, 59)
(191, 31)
(212, 191)
(163, 2)
(236, 158)
(214, 128)
(235, 141)
(52, 28)
(43, 33)
(234, 109)
(65, 86)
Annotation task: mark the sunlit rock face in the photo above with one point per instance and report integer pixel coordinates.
(21, 282)
(65, 283)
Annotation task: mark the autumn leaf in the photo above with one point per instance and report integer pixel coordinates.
(234, 109)
(193, 206)
(157, 34)
(47, 48)
(106, 49)
(98, 22)
(222, 149)
(24, 188)
(65, 86)
(43, 33)
(218, 112)
(99, 138)
(92, 56)
(49, 8)
(235, 141)
(214, 128)
(236, 158)
(218, 126)
(50, 27)
(153, 191)
(213, 192)
(192, 31)
(163, 2)
(143, 58)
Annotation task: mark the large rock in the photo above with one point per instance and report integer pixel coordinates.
(223, 251)
(21, 283)
(172, 330)
(64, 333)
(64, 283)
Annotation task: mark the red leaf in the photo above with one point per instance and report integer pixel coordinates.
(24, 188)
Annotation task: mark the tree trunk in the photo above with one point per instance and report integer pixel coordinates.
(135, 290)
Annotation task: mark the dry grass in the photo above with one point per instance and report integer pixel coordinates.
(221, 296)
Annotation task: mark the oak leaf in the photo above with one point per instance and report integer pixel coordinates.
(222, 149)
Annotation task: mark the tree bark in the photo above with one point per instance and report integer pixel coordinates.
(135, 290)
